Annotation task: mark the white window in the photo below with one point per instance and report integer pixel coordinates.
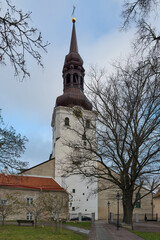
(29, 201)
(29, 216)
(3, 202)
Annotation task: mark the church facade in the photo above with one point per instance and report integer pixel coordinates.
(65, 122)
(67, 109)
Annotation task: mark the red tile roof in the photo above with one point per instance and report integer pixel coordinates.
(17, 181)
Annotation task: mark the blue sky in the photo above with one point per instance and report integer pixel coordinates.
(28, 105)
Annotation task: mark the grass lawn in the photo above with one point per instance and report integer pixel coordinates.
(12, 232)
(86, 225)
(148, 236)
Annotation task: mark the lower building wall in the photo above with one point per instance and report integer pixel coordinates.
(156, 207)
(82, 199)
(110, 196)
(18, 199)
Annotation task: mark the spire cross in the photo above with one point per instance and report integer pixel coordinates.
(74, 7)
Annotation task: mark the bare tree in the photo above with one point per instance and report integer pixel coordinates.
(12, 145)
(56, 207)
(9, 205)
(17, 38)
(145, 15)
(34, 206)
(125, 149)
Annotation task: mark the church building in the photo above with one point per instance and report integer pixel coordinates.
(68, 108)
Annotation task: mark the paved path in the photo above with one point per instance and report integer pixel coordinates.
(76, 229)
(102, 231)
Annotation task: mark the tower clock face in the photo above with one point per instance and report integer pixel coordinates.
(77, 112)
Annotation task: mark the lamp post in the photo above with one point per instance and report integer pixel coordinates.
(118, 198)
(152, 207)
(108, 211)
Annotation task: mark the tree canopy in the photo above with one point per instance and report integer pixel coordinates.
(126, 149)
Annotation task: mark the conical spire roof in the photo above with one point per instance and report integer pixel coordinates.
(73, 57)
(73, 45)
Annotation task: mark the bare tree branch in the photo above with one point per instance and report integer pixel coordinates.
(17, 39)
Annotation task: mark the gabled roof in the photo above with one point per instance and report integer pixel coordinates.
(24, 170)
(29, 182)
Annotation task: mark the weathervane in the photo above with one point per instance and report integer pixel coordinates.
(74, 7)
(73, 14)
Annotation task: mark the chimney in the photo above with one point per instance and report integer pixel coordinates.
(6, 170)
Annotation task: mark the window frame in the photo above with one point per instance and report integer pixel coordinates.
(138, 200)
(66, 121)
(29, 216)
(73, 190)
(3, 202)
(88, 123)
(29, 201)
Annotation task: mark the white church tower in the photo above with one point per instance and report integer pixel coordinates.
(68, 107)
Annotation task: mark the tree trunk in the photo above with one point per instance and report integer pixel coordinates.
(35, 222)
(2, 220)
(127, 207)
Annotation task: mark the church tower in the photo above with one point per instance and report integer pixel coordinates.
(68, 107)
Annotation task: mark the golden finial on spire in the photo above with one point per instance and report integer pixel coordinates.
(73, 19)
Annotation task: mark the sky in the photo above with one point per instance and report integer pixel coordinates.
(28, 105)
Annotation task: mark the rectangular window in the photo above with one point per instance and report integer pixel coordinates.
(84, 137)
(29, 201)
(29, 216)
(73, 190)
(87, 123)
(73, 208)
(138, 201)
(3, 202)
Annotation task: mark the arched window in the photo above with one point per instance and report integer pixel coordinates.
(68, 79)
(87, 123)
(75, 78)
(66, 121)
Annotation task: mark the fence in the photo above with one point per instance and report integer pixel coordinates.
(136, 217)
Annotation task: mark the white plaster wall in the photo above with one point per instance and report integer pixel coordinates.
(82, 199)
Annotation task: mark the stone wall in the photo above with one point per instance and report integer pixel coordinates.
(110, 195)
(22, 208)
(156, 206)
